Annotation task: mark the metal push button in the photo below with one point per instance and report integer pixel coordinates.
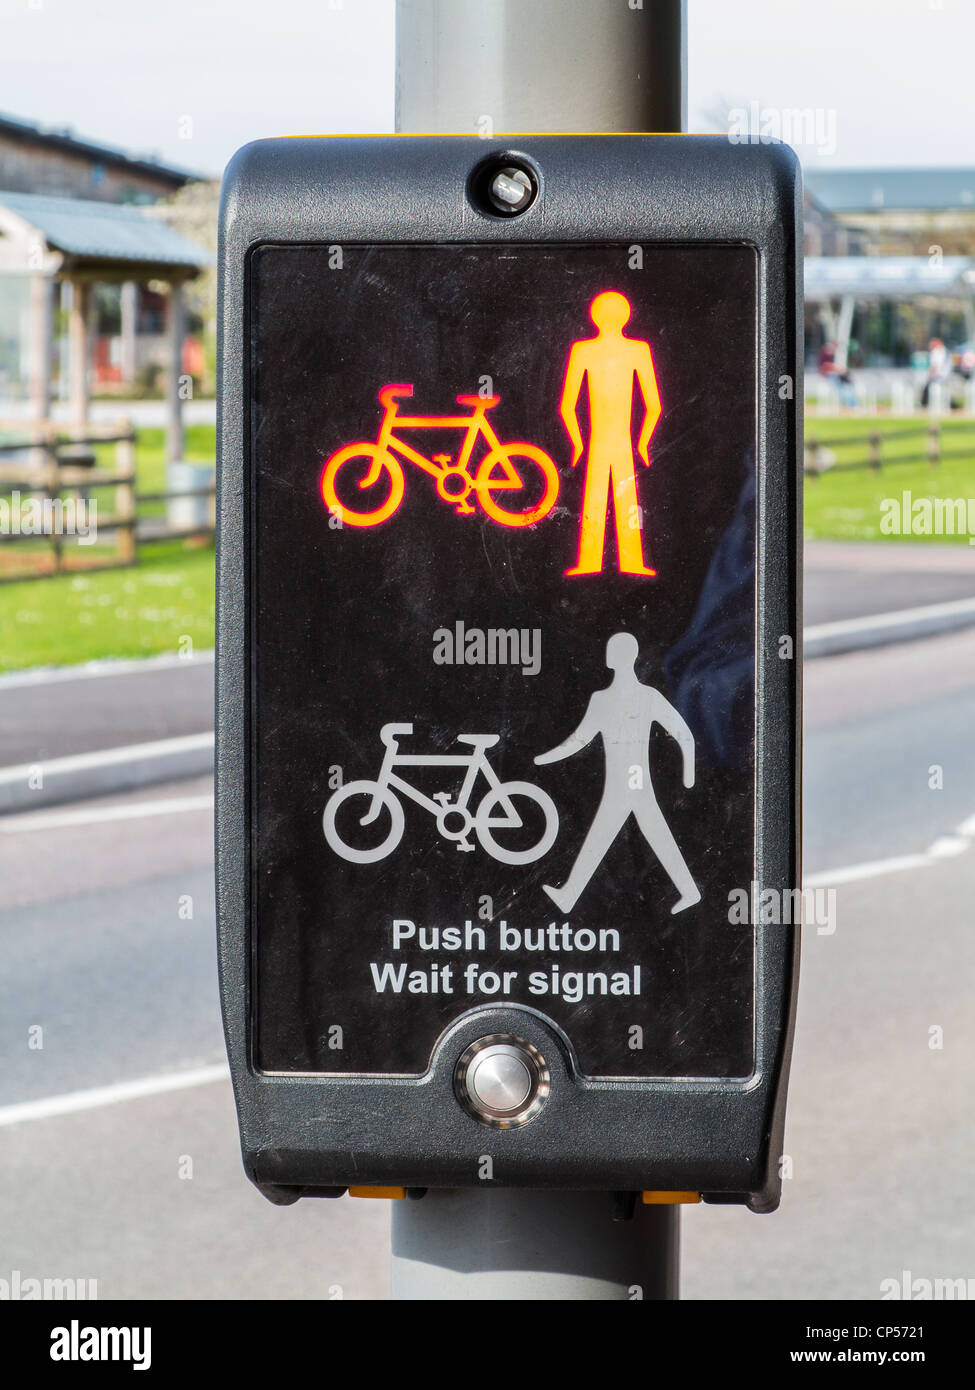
(502, 1080)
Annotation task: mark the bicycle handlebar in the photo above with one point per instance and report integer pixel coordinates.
(390, 732)
(390, 393)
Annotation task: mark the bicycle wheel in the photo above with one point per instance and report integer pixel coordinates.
(531, 490)
(367, 791)
(362, 466)
(485, 823)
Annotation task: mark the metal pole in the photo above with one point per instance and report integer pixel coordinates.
(486, 67)
(526, 1245)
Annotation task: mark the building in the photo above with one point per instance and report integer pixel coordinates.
(880, 310)
(909, 238)
(825, 235)
(58, 163)
(900, 212)
(127, 339)
(59, 252)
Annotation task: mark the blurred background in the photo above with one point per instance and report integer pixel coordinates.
(116, 1116)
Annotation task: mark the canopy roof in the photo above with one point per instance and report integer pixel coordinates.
(889, 277)
(901, 190)
(104, 232)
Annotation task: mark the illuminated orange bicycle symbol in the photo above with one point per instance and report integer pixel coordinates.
(519, 474)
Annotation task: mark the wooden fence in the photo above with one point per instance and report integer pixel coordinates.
(47, 476)
(931, 450)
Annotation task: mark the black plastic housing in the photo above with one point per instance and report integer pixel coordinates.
(309, 1134)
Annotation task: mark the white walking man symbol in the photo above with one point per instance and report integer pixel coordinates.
(623, 714)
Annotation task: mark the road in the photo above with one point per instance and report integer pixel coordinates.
(146, 1194)
(851, 580)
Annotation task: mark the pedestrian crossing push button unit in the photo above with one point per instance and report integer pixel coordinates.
(507, 745)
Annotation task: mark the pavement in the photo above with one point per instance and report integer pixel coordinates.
(119, 1139)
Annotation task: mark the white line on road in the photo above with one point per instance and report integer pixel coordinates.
(74, 1101)
(106, 757)
(852, 873)
(55, 675)
(944, 847)
(56, 820)
(955, 608)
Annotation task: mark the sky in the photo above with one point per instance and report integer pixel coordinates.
(886, 82)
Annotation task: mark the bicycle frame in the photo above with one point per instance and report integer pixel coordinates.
(476, 762)
(494, 473)
(474, 425)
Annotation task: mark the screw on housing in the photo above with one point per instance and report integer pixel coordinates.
(511, 189)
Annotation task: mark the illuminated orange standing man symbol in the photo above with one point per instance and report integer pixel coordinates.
(608, 363)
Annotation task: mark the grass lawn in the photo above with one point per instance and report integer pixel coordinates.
(847, 505)
(150, 608)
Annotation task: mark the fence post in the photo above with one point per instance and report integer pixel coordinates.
(934, 443)
(876, 441)
(809, 450)
(125, 496)
(53, 490)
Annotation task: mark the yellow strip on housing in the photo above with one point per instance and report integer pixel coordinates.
(669, 1199)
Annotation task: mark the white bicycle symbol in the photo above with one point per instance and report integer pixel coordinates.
(496, 811)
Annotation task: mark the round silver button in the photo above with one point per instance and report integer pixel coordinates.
(499, 1078)
(502, 1080)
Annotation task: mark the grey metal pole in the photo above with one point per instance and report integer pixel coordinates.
(540, 65)
(526, 1245)
(486, 67)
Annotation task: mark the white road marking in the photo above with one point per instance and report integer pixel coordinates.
(106, 757)
(852, 873)
(99, 1096)
(947, 846)
(55, 675)
(954, 608)
(944, 847)
(56, 820)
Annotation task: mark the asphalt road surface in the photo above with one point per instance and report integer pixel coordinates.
(107, 942)
(854, 580)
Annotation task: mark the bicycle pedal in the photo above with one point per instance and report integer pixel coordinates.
(442, 797)
(465, 845)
